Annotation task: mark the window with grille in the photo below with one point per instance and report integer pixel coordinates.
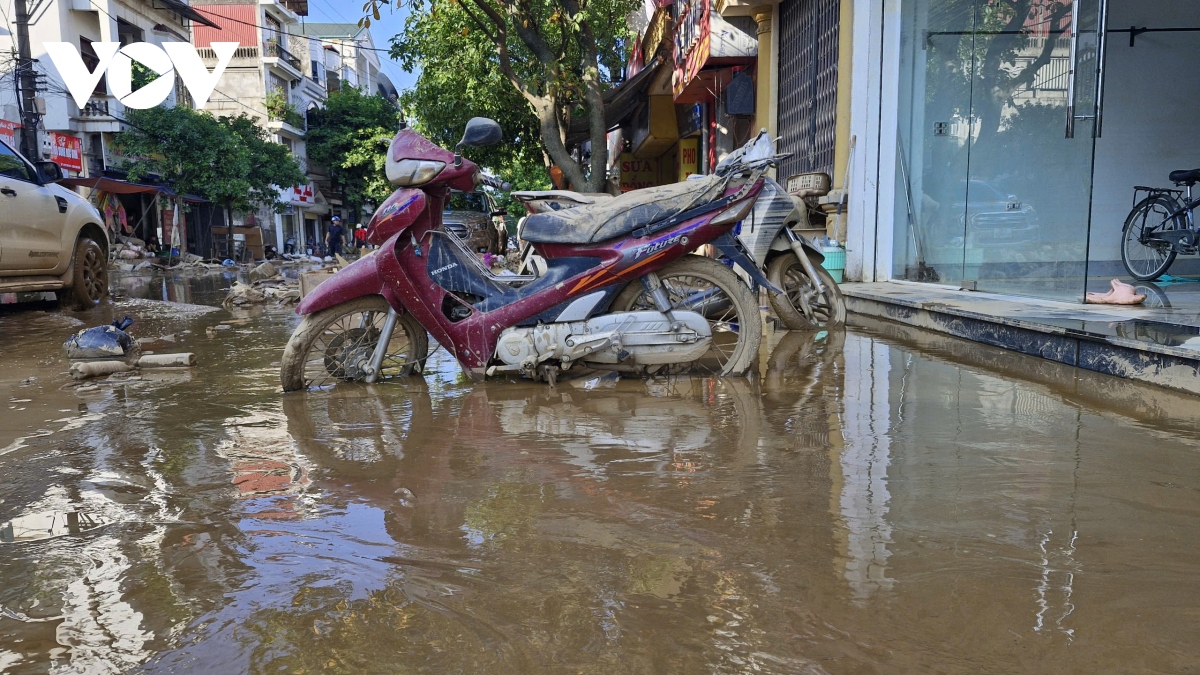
(808, 66)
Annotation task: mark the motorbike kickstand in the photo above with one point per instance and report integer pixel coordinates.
(385, 337)
(549, 373)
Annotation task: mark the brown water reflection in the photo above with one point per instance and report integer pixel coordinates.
(880, 501)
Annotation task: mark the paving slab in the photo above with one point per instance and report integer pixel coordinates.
(1159, 345)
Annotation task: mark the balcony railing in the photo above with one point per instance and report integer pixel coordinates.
(95, 109)
(272, 49)
(208, 54)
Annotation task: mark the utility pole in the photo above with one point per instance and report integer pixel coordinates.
(26, 81)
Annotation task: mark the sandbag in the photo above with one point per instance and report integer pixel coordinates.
(183, 360)
(81, 370)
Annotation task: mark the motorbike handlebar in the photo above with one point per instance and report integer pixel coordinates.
(492, 181)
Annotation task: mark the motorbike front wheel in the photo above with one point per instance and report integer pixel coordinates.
(705, 286)
(828, 308)
(336, 344)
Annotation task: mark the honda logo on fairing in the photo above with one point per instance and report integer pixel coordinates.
(179, 57)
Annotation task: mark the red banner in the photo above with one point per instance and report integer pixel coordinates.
(67, 151)
(8, 132)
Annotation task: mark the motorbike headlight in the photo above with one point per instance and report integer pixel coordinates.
(409, 172)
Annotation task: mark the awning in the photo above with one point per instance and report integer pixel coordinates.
(183, 9)
(620, 102)
(730, 43)
(719, 45)
(120, 187)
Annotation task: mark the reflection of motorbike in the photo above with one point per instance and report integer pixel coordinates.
(801, 360)
(584, 309)
(810, 299)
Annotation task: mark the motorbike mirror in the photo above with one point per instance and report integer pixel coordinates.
(480, 132)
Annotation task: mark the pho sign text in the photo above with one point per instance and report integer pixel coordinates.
(179, 57)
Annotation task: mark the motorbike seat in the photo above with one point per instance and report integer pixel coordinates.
(1185, 176)
(609, 218)
(560, 195)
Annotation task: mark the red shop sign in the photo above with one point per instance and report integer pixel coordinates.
(67, 152)
(8, 132)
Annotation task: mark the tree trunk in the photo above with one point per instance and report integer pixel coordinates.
(552, 136)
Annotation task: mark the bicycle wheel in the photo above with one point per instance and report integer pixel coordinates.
(1146, 260)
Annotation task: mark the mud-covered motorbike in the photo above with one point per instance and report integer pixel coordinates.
(618, 290)
(802, 293)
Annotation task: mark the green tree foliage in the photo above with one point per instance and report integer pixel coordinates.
(350, 137)
(271, 165)
(559, 56)
(460, 80)
(228, 160)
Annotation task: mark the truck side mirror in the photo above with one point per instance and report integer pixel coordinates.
(48, 172)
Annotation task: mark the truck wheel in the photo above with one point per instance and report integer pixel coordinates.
(89, 275)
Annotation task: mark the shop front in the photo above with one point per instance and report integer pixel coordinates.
(1004, 138)
(695, 101)
(298, 228)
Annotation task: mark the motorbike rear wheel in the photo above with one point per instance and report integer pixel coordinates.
(334, 345)
(705, 286)
(828, 308)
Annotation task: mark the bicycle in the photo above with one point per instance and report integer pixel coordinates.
(1160, 227)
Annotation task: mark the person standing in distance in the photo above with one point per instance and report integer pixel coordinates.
(333, 238)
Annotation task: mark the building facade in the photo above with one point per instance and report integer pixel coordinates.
(80, 139)
(726, 69)
(270, 78)
(999, 144)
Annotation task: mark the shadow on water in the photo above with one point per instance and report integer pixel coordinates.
(880, 500)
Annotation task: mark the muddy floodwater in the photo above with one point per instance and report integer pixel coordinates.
(879, 501)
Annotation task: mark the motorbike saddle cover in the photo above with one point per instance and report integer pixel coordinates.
(617, 217)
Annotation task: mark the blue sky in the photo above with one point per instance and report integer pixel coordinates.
(391, 23)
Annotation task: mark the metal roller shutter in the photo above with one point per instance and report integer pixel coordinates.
(808, 66)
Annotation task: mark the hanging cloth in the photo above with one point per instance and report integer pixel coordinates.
(114, 215)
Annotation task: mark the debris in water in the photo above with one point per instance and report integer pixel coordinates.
(1121, 294)
(48, 525)
(82, 370)
(183, 360)
(101, 342)
(605, 381)
(407, 498)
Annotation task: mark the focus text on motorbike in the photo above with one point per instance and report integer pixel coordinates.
(618, 290)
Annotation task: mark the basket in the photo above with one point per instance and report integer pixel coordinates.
(835, 262)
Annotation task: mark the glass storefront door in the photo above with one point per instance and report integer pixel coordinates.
(995, 144)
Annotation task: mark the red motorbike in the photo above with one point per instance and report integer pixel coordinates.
(618, 289)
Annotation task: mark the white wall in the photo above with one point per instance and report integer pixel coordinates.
(1151, 125)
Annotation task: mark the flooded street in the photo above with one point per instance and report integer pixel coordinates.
(879, 501)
